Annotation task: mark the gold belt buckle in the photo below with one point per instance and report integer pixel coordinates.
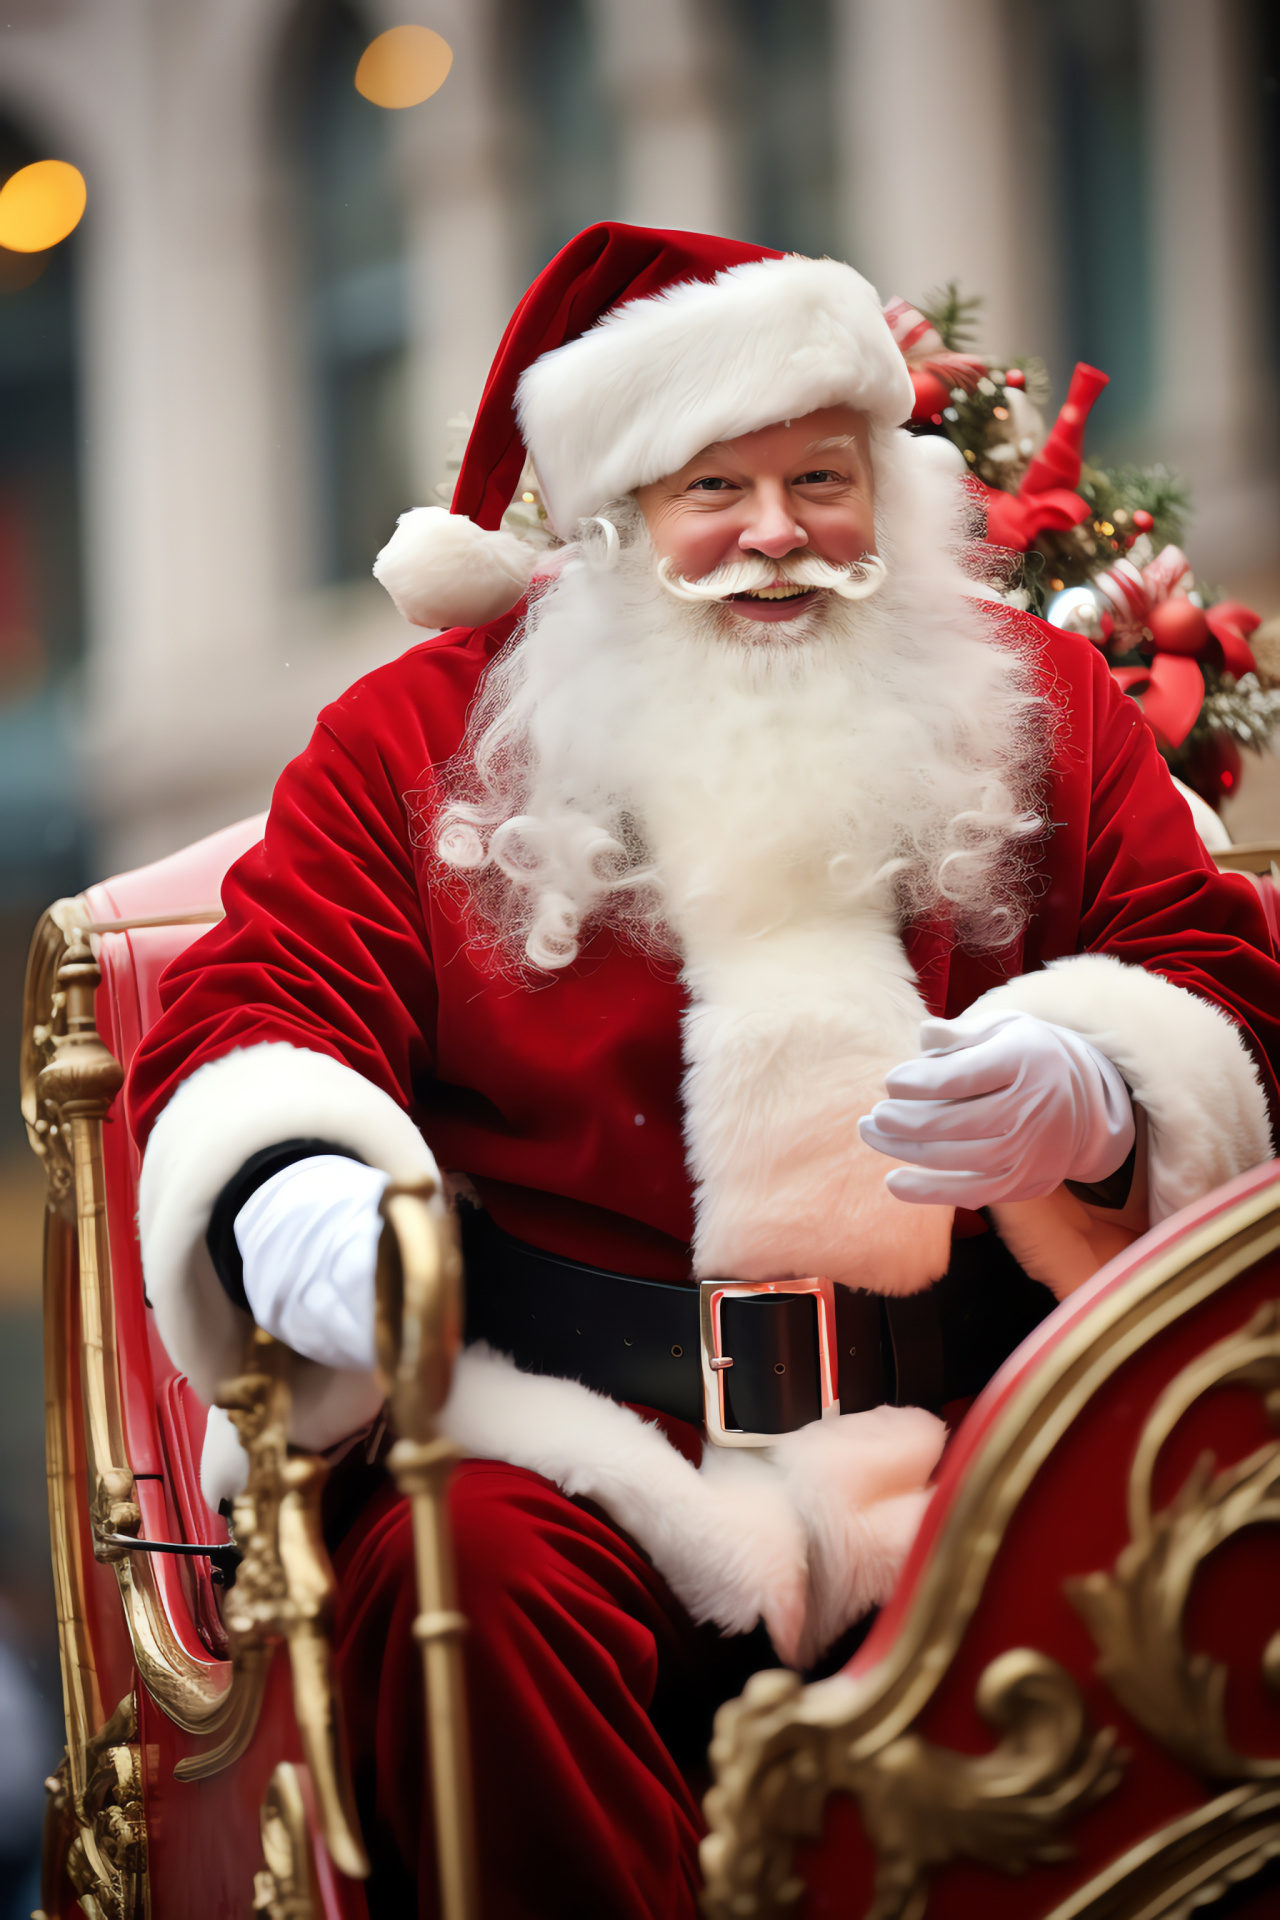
(716, 1363)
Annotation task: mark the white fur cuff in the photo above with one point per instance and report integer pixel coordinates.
(229, 1109)
(808, 1535)
(1183, 1060)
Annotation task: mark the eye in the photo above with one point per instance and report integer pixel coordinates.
(818, 477)
(713, 483)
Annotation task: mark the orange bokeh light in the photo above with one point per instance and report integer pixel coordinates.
(40, 205)
(403, 67)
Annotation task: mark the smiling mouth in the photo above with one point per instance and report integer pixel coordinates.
(784, 592)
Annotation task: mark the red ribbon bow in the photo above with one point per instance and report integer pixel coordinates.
(1046, 500)
(1187, 638)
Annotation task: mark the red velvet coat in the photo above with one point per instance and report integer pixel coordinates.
(560, 1097)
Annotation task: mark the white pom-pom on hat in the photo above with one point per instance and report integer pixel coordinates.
(444, 571)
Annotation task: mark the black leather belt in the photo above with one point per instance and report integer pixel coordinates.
(639, 1340)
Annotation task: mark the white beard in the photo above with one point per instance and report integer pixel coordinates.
(767, 800)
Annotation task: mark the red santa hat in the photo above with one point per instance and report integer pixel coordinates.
(632, 350)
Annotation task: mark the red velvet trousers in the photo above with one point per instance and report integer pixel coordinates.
(588, 1684)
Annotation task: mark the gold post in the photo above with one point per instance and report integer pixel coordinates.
(79, 1084)
(82, 1701)
(419, 1334)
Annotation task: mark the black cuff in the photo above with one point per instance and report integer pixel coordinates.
(1113, 1192)
(220, 1235)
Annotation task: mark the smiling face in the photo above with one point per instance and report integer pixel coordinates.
(801, 487)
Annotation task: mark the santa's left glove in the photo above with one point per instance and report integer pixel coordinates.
(1000, 1107)
(308, 1238)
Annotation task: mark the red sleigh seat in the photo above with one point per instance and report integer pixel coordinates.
(1069, 1709)
(184, 1793)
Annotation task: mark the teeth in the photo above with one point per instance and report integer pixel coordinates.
(776, 593)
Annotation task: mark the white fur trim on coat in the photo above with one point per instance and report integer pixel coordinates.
(229, 1109)
(444, 571)
(658, 379)
(787, 1042)
(807, 1536)
(1183, 1060)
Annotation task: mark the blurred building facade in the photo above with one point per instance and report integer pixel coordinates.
(280, 295)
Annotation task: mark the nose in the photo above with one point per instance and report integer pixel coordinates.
(772, 527)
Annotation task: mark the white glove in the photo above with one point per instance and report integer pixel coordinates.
(309, 1242)
(999, 1106)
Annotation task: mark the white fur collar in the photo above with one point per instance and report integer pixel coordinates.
(787, 1042)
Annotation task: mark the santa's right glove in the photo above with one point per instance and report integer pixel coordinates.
(308, 1238)
(1000, 1106)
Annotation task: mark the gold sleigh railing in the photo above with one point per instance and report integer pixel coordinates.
(283, 1594)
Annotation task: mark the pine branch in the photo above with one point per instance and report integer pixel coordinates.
(953, 316)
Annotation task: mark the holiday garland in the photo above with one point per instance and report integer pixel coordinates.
(1100, 546)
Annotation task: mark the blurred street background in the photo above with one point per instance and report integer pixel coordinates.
(219, 390)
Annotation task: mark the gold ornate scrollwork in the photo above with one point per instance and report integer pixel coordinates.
(285, 1887)
(1185, 1866)
(284, 1593)
(1135, 1612)
(44, 1003)
(762, 1803)
(106, 1859)
(921, 1804)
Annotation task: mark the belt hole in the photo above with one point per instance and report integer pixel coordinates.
(677, 1353)
(778, 1367)
(852, 1352)
(627, 1341)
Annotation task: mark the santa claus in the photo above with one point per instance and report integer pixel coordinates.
(728, 842)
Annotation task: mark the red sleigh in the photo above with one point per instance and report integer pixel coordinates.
(1069, 1711)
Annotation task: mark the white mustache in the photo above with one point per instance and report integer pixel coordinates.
(857, 581)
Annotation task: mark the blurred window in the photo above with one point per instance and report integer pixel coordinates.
(560, 147)
(349, 234)
(1092, 86)
(776, 61)
(41, 610)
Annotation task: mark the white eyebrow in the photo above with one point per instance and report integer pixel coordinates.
(837, 440)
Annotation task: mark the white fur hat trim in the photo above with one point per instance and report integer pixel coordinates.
(444, 571)
(658, 379)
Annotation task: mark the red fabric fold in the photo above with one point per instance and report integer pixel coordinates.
(586, 1679)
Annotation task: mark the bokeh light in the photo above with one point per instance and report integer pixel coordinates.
(403, 67)
(40, 205)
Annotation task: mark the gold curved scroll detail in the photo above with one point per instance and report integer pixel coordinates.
(284, 1887)
(1135, 1612)
(419, 1333)
(68, 1081)
(1186, 1866)
(881, 1703)
(42, 1010)
(104, 1822)
(921, 1805)
(284, 1591)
